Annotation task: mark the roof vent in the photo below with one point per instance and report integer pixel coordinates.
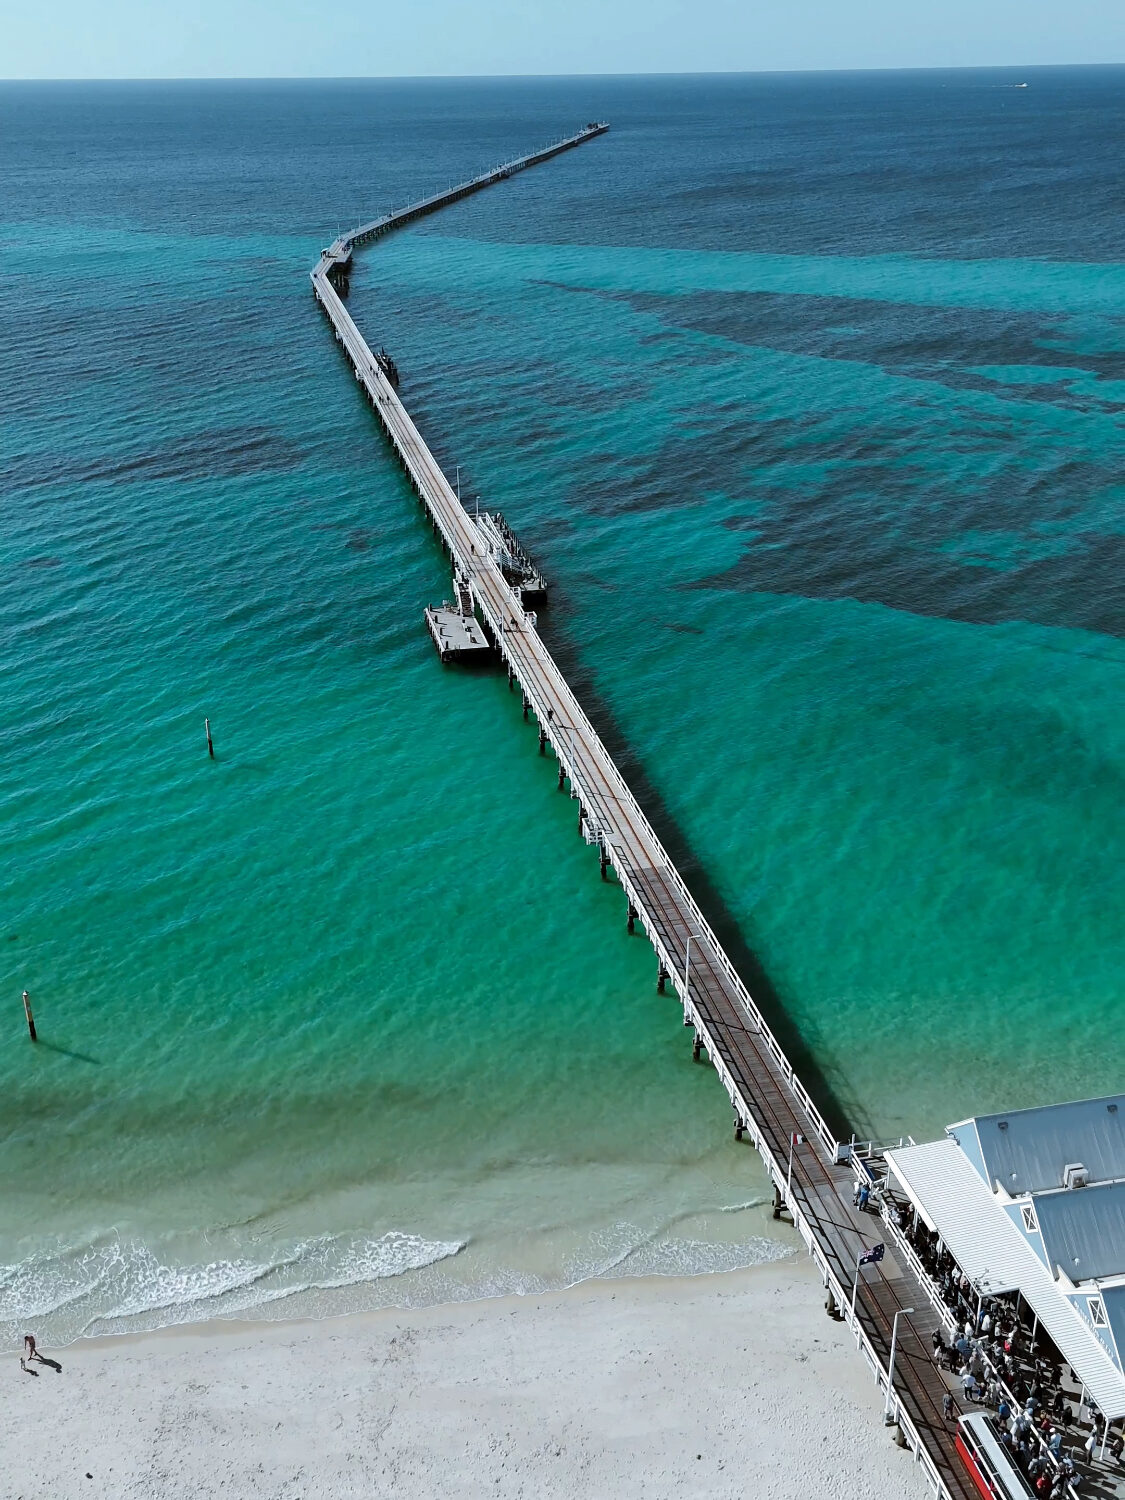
(1075, 1175)
(1001, 1125)
(1112, 1108)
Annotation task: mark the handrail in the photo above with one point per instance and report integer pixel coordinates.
(342, 245)
(831, 1281)
(362, 355)
(596, 780)
(905, 1250)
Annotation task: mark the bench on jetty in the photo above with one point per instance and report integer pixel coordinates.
(812, 1171)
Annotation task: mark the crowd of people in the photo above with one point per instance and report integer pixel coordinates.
(1015, 1372)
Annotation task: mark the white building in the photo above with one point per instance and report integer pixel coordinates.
(1034, 1201)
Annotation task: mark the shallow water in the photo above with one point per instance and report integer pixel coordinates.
(807, 396)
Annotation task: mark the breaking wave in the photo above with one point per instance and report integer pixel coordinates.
(121, 1286)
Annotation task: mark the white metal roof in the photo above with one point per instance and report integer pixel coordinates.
(949, 1194)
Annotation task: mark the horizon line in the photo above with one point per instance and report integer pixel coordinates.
(1040, 67)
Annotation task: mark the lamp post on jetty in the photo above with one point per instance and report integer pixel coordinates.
(696, 1047)
(888, 1419)
(794, 1140)
(687, 966)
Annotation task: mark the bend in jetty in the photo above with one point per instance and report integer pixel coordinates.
(814, 1174)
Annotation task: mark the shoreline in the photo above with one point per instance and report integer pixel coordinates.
(125, 1287)
(656, 1284)
(727, 1384)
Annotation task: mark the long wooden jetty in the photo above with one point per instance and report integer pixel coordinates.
(813, 1173)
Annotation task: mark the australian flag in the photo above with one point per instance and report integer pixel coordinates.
(869, 1257)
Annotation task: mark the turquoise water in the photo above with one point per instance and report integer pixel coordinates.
(831, 509)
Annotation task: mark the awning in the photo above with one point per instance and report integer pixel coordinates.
(950, 1196)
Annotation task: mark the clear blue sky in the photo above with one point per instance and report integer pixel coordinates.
(352, 38)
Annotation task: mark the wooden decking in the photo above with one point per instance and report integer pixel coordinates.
(769, 1100)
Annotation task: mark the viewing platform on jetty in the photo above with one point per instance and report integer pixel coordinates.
(456, 632)
(814, 1174)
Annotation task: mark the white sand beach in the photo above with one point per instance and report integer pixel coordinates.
(726, 1385)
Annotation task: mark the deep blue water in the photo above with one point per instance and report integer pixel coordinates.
(806, 393)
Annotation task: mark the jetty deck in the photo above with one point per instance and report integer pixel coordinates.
(813, 1173)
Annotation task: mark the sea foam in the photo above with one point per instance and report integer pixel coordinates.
(120, 1286)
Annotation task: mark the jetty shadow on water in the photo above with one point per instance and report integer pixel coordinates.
(714, 908)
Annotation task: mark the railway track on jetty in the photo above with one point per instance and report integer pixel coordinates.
(812, 1171)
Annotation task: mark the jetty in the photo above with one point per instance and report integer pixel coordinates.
(869, 1285)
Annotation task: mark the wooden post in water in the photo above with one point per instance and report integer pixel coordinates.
(30, 1017)
(210, 745)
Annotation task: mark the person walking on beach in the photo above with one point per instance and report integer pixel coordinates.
(31, 1352)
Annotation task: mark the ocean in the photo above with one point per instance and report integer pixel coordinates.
(806, 393)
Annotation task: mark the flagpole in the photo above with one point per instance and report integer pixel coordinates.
(865, 1258)
(855, 1283)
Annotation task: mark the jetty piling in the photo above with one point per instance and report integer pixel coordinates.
(771, 1103)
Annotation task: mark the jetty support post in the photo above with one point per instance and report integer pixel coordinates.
(29, 1017)
(210, 742)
